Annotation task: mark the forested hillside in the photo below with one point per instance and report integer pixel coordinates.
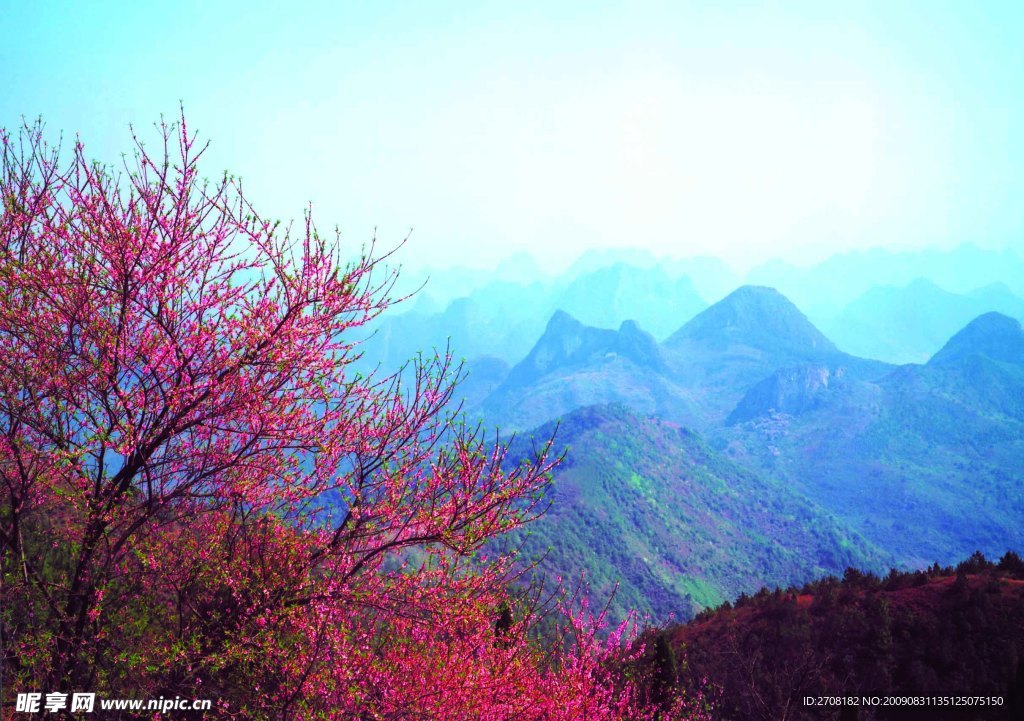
(656, 520)
(936, 634)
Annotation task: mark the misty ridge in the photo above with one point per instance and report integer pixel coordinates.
(897, 307)
(726, 433)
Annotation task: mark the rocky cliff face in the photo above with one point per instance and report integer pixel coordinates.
(790, 390)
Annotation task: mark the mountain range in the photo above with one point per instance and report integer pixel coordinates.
(908, 324)
(696, 376)
(894, 306)
(917, 463)
(662, 523)
(739, 445)
(924, 460)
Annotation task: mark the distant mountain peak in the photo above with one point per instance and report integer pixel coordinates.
(994, 335)
(637, 344)
(609, 295)
(568, 342)
(560, 320)
(922, 283)
(756, 316)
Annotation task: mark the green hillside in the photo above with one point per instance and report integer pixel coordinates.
(925, 461)
(646, 505)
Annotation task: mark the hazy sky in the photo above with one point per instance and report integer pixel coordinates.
(743, 131)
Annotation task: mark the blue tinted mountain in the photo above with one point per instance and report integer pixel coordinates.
(503, 318)
(754, 317)
(568, 343)
(648, 505)
(711, 277)
(480, 377)
(793, 391)
(697, 376)
(608, 296)
(743, 339)
(824, 289)
(925, 461)
(992, 335)
(574, 365)
(910, 323)
(493, 320)
(596, 259)
(999, 297)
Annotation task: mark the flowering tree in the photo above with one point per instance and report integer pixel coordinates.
(199, 497)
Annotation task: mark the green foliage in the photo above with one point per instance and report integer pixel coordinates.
(924, 461)
(652, 514)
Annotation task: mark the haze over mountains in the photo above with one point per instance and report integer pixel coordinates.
(897, 307)
(907, 324)
(739, 445)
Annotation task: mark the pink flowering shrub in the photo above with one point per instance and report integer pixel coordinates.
(199, 497)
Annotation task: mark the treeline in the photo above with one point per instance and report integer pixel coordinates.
(931, 634)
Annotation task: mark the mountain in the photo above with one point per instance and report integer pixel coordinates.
(744, 338)
(610, 295)
(824, 289)
(481, 376)
(696, 376)
(908, 324)
(503, 314)
(574, 365)
(596, 259)
(502, 311)
(792, 391)
(757, 318)
(648, 505)
(567, 343)
(999, 297)
(520, 268)
(711, 277)
(925, 461)
(992, 335)
(492, 320)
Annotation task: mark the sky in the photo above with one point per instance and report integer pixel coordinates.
(743, 131)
